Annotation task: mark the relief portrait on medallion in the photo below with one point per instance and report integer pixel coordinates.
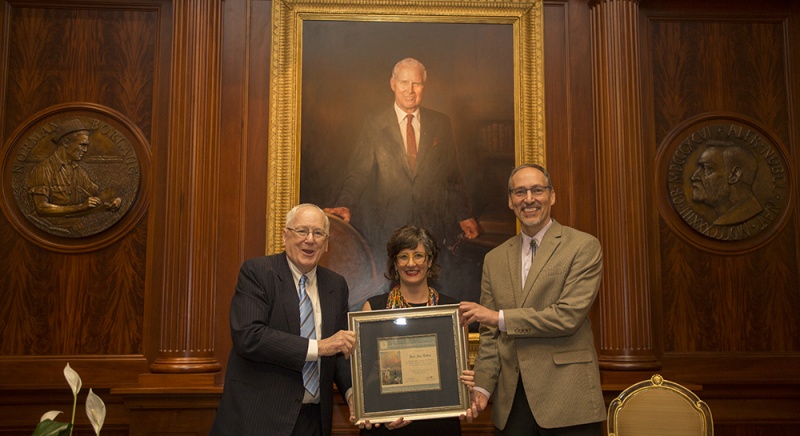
(59, 186)
(75, 175)
(726, 179)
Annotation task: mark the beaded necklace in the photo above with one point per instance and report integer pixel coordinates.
(396, 300)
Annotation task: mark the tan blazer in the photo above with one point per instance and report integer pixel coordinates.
(549, 337)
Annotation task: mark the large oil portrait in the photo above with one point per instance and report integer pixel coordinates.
(480, 114)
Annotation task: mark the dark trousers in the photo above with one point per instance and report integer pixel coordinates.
(521, 422)
(309, 421)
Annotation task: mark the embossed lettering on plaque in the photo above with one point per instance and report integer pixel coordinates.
(725, 178)
(74, 173)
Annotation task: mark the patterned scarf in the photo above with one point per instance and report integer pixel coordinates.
(396, 300)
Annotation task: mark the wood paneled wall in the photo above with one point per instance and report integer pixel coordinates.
(144, 319)
(741, 303)
(86, 305)
(730, 322)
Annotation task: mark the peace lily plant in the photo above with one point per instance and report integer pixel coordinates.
(95, 410)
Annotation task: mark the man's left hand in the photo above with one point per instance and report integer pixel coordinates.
(474, 312)
(341, 342)
(114, 204)
(470, 228)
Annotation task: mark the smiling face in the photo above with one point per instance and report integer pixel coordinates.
(532, 211)
(408, 84)
(414, 272)
(305, 252)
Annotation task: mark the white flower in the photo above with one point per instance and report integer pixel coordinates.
(73, 379)
(51, 415)
(96, 411)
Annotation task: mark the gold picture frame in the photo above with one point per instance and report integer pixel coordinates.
(407, 363)
(286, 77)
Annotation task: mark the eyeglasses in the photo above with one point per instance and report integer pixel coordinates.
(303, 233)
(403, 259)
(537, 191)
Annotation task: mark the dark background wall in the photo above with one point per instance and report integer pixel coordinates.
(144, 317)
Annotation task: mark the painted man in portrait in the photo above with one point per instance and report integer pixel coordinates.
(404, 171)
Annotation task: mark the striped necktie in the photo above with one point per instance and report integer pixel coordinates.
(307, 330)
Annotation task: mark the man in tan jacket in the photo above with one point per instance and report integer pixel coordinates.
(536, 352)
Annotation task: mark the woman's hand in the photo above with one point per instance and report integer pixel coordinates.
(468, 378)
(398, 423)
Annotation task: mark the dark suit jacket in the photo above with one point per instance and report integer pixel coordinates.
(549, 338)
(386, 194)
(263, 381)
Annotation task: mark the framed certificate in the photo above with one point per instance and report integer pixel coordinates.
(407, 362)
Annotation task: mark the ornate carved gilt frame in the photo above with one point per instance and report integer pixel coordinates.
(283, 167)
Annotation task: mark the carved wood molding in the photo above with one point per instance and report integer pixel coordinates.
(626, 340)
(192, 193)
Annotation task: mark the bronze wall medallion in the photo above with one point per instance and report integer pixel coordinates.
(73, 172)
(723, 182)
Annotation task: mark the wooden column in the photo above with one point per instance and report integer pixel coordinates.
(626, 340)
(192, 192)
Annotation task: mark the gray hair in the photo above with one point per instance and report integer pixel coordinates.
(290, 215)
(410, 62)
(530, 165)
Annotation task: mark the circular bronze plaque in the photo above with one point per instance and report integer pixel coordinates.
(724, 183)
(73, 174)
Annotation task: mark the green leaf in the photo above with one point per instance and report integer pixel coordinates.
(49, 427)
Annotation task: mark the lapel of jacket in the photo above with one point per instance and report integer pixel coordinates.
(514, 256)
(426, 135)
(288, 291)
(543, 255)
(395, 146)
(325, 295)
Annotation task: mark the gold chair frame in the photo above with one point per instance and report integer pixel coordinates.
(659, 407)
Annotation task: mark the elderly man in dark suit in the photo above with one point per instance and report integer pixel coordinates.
(290, 338)
(536, 352)
(404, 170)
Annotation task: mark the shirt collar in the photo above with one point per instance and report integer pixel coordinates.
(64, 162)
(296, 274)
(538, 237)
(401, 114)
